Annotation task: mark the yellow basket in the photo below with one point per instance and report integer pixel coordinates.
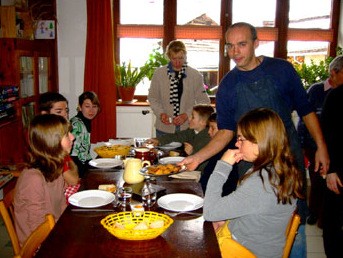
(129, 220)
(111, 151)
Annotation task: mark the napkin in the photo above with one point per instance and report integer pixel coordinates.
(195, 175)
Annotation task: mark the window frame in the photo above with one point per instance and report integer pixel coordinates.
(280, 33)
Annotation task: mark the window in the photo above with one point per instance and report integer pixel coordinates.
(141, 25)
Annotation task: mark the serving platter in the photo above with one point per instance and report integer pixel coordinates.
(146, 171)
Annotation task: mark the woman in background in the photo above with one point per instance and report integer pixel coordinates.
(174, 90)
(40, 187)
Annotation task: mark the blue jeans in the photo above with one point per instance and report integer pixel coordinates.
(299, 249)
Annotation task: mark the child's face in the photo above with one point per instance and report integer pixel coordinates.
(247, 148)
(60, 108)
(196, 122)
(67, 142)
(88, 109)
(213, 129)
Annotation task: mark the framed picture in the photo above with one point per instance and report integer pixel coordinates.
(45, 29)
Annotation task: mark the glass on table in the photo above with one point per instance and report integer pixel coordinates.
(149, 194)
(124, 195)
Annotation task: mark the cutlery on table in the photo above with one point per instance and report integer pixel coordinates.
(174, 214)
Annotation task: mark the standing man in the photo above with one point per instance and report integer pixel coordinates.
(333, 197)
(262, 82)
(316, 95)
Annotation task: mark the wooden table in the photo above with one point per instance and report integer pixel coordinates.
(80, 234)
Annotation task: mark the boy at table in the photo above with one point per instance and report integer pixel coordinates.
(195, 137)
(56, 103)
(88, 108)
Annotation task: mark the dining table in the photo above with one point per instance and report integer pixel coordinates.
(78, 232)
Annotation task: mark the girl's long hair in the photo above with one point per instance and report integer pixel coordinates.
(45, 149)
(265, 128)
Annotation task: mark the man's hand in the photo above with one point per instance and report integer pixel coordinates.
(322, 161)
(333, 182)
(191, 162)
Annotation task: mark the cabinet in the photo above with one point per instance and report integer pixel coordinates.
(29, 68)
(135, 121)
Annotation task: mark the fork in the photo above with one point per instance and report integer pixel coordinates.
(174, 214)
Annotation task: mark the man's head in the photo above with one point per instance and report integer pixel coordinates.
(241, 42)
(336, 71)
(53, 103)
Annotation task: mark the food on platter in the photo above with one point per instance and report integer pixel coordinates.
(163, 169)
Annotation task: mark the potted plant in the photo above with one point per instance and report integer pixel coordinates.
(128, 77)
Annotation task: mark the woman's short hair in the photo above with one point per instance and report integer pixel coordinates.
(175, 46)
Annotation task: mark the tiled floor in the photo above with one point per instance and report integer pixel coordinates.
(315, 247)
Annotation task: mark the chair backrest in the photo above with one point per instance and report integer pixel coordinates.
(37, 237)
(6, 211)
(291, 232)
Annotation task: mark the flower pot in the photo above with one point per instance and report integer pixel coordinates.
(126, 93)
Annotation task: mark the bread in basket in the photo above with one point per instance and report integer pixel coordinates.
(129, 226)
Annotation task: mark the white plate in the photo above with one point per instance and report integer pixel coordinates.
(171, 146)
(105, 163)
(180, 202)
(171, 160)
(91, 198)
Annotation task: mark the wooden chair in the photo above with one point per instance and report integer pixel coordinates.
(291, 232)
(239, 251)
(36, 238)
(7, 213)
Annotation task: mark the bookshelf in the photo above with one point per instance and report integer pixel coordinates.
(28, 68)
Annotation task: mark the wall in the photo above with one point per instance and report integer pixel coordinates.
(71, 34)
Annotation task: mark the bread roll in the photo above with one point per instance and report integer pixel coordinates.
(174, 154)
(141, 226)
(109, 188)
(157, 224)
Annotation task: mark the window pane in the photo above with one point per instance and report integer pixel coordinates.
(310, 14)
(203, 55)
(131, 12)
(245, 11)
(137, 51)
(315, 50)
(265, 48)
(198, 12)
